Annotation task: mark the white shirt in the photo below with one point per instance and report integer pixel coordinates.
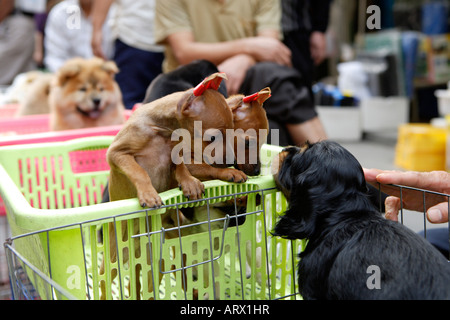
(35, 6)
(133, 24)
(68, 34)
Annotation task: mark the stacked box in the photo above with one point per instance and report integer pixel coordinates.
(421, 147)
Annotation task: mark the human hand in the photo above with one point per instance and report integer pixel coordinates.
(236, 68)
(318, 46)
(435, 205)
(264, 48)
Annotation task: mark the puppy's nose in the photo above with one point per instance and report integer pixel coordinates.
(257, 169)
(96, 102)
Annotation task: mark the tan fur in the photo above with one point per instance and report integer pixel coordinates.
(140, 155)
(35, 100)
(245, 116)
(84, 94)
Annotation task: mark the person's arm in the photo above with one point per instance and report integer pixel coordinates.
(261, 48)
(320, 12)
(236, 67)
(6, 7)
(436, 205)
(99, 13)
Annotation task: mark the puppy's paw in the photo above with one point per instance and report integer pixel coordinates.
(150, 199)
(232, 175)
(192, 188)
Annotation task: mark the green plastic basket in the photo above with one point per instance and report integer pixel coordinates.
(52, 193)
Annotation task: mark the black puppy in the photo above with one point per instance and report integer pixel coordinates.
(352, 252)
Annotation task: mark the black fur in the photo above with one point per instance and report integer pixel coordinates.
(329, 206)
(181, 79)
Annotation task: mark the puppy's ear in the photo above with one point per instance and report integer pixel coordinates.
(186, 105)
(110, 67)
(290, 228)
(234, 102)
(294, 181)
(299, 222)
(211, 82)
(260, 96)
(189, 105)
(67, 71)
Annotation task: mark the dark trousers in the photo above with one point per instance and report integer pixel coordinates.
(290, 101)
(137, 68)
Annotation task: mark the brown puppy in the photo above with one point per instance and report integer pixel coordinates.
(84, 94)
(250, 133)
(141, 158)
(251, 129)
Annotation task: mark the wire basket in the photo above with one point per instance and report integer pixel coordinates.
(62, 235)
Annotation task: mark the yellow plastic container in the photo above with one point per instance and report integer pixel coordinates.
(421, 147)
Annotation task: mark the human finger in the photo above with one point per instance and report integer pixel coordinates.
(438, 213)
(392, 206)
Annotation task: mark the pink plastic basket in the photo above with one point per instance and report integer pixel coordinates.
(8, 110)
(39, 173)
(56, 136)
(30, 124)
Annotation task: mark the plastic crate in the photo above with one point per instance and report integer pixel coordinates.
(8, 110)
(56, 136)
(35, 129)
(421, 147)
(51, 195)
(30, 124)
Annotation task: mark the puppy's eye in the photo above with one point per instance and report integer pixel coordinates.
(101, 89)
(82, 89)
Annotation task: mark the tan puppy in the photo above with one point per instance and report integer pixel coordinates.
(250, 133)
(141, 158)
(84, 94)
(35, 100)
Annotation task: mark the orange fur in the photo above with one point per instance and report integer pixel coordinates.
(84, 94)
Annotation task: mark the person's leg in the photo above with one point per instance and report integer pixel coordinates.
(181, 79)
(310, 130)
(439, 238)
(290, 105)
(16, 47)
(137, 68)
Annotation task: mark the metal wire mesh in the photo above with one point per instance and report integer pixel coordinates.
(31, 282)
(226, 260)
(426, 203)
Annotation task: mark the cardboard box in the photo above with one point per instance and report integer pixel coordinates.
(341, 123)
(380, 114)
